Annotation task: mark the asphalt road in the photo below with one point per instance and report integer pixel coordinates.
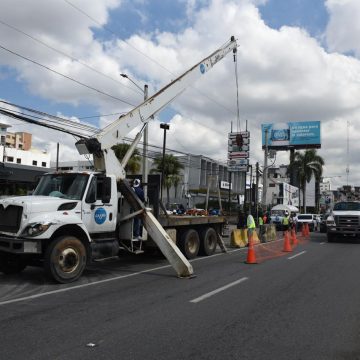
(298, 305)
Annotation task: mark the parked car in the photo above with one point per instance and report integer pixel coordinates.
(307, 218)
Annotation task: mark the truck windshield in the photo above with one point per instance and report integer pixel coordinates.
(347, 206)
(67, 186)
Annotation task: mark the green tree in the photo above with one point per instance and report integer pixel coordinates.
(133, 165)
(172, 167)
(305, 166)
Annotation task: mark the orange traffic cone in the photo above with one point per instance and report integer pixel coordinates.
(293, 237)
(303, 229)
(251, 258)
(307, 230)
(287, 245)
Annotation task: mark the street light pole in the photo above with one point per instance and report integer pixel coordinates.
(265, 171)
(165, 127)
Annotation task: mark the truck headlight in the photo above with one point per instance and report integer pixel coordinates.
(330, 221)
(36, 229)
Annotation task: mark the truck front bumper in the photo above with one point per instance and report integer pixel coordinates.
(20, 245)
(343, 230)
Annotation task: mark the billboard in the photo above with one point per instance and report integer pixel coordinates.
(296, 135)
(238, 151)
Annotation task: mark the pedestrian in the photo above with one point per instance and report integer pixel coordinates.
(241, 224)
(250, 224)
(285, 221)
(265, 219)
(137, 226)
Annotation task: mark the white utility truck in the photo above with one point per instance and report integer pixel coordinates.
(73, 218)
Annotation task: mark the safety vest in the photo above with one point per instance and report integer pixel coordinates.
(251, 222)
(261, 221)
(285, 220)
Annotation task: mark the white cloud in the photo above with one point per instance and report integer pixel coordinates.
(342, 32)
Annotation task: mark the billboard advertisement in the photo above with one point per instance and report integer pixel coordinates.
(298, 135)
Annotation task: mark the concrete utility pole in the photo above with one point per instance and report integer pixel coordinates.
(263, 200)
(145, 168)
(165, 127)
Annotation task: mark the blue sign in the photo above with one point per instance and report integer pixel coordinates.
(100, 216)
(304, 134)
(202, 68)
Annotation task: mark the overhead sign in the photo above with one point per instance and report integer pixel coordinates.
(298, 135)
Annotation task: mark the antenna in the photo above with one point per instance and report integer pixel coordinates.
(347, 154)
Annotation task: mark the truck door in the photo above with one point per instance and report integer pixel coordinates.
(98, 208)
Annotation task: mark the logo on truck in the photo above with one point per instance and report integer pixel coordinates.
(100, 216)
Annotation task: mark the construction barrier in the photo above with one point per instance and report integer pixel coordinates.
(239, 238)
(269, 234)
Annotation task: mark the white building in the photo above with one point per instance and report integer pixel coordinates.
(325, 186)
(32, 157)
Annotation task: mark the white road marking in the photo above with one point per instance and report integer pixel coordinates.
(296, 255)
(214, 292)
(35, 296)
(322, 243)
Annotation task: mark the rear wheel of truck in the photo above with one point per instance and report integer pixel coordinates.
(65, 259)
(189, 243)
(208, 241)
(11, 263)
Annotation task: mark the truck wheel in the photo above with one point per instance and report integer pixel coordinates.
(65, 259)
(330, 238)
(11, 263)
(189, 243)
(208, 241)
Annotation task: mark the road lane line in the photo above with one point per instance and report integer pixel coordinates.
(35, 296)
(214, 292)
(298, 254)
(322, 243)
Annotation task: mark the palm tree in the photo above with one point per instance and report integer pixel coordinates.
(172, 167)
(306, 165)
(133, 165)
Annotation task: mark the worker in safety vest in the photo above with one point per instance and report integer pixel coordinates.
(250, 224)
(285, 221)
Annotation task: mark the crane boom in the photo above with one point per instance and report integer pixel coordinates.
(100, 145)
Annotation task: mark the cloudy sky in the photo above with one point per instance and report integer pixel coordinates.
(298, 60)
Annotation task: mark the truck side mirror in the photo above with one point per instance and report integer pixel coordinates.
(106, 195)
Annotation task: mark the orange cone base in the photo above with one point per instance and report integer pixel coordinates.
(287, 246)
(251, 258)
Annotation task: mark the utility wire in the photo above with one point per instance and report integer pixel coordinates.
(65, 76)
(66, 55)
(51, 118)
(142, 53)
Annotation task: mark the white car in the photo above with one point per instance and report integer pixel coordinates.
(309, 219)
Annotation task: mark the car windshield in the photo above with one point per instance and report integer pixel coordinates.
(67, 186)
(347, 206)
(305, 217)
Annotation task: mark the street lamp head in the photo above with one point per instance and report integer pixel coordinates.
(124, 76)
(164, 126)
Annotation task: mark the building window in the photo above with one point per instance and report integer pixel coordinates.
(10, 159)
(43, 164)
(34, 162)
(18, 161)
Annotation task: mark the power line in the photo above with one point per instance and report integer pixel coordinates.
(65, 76)
(66, 55)
(140, 52)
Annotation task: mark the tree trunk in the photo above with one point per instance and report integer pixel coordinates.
(304, 198)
